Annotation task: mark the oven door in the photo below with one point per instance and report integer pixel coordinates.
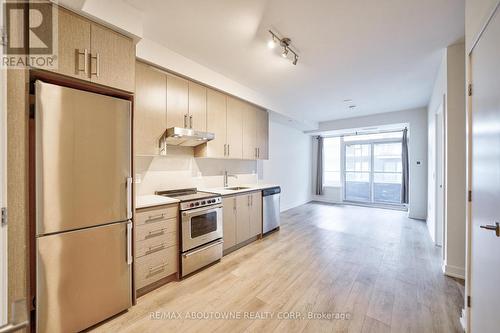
(200, 226)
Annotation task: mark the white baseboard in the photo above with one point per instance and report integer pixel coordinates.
(454, 271)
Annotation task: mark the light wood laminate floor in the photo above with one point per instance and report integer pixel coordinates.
(376, 265)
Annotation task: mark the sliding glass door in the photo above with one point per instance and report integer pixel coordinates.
(373, 172)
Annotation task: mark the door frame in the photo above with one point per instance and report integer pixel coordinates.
(440, 170)
(3, 191)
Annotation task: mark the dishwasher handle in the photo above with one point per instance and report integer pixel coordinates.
(271, 191)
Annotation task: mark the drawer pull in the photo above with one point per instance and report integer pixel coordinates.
(157, 269)
(155, 248)
(155, 233)
(152, 218)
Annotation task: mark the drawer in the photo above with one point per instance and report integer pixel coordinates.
(201, 257)
(156, 266)
(153, 215)
(155, 230)
(155, 244)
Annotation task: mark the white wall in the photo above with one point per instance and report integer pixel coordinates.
(289, 164)
(450, 83)
(417, 120)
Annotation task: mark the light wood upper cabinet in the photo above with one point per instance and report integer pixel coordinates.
(112, 59)
(262, 134)
(242, 218)
(74, 41)
(92, 52)
(229, 218)
(150, 115)
(216, 123)
(235, 110)
(177, 101)
(197, 107)
(249, 132)
(255, 214)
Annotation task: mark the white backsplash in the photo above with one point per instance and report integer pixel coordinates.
(179, 169)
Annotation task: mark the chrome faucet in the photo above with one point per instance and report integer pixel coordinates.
(226, 176)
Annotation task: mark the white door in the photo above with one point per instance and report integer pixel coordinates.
(440, 160)
(485, 208)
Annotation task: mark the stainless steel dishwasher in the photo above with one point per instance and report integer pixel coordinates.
(271, 209)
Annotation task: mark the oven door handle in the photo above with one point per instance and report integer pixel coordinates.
(186, 255)
(202, 209)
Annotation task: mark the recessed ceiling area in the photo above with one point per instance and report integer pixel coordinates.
(383, 55)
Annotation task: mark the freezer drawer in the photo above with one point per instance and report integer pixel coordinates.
(83, 277)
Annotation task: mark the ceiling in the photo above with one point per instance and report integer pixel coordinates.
(382, 54)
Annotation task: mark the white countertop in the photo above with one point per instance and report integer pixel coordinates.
(143, 201)
(250, 187)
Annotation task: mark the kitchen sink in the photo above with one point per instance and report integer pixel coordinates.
(237, 188)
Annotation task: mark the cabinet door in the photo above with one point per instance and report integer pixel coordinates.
(112, 58)
(216, 123)
(150, 116)
(197, 107)
(229, 218)
(249, 132)
(74, 39)
(242, 218)
(177, 101)
(262, 134)
(234, 142)
(256, 214)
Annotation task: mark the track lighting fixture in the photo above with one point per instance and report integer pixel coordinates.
(285, 44)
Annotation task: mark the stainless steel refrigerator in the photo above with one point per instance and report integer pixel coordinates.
(83, 208)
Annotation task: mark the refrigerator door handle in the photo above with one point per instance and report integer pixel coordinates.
(129, 243)
(129, 197)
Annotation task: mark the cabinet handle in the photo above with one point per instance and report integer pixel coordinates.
(155, 248)
(258, 152)
(185, 121)
(85, 54)
(225, 149)
(152, 218)
(155, 233)
(97, 58)
(158, 268)
(191, 121)
(228, 149)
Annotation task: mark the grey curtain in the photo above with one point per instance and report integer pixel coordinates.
(406, 167)
(319, 167)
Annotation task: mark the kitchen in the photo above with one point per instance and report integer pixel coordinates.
(157, 182)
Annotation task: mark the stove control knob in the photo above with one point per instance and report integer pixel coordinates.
(203, 202)
(196, 203)
(191, 204)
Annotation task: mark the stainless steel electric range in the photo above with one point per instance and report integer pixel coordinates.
(201, 228)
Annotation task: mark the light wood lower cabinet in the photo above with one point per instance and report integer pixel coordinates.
(156, 245)
(242, 218)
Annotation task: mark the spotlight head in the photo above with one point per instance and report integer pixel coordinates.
(295, 60)
(272, 42)
(285, 53)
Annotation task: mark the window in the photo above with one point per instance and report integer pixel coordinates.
(373, 168)
(331, 160)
